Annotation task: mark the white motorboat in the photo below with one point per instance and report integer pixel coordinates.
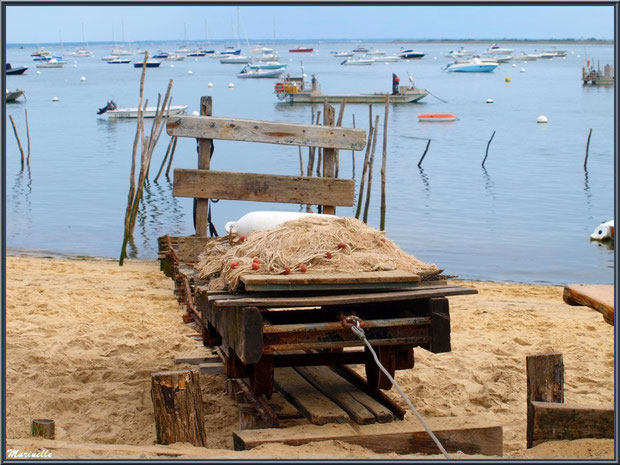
(119, 51)
(247, 72)
(555, 53)
(149, 112)
(12, 96)
(408, 54)
(174, 58)
(51, 63)
(268, 65)
(235, 59)
(343, 54)
(260, 49)
(119, 61)
(475, 65)
(386, 59)
(358, 61)
(460, 53)
(497, 50)
(490, 58)
(526, 57)
(375, 52)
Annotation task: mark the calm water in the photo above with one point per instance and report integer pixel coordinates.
(526, 217)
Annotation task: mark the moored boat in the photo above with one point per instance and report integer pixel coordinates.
(52, 63)
(161, 54)
(119, 61)
(9, 70)
(113, 111)
(268, 65)
(358, 61)
(12, 96)
(343, 54)
(386, 59)
(408, 54)
(149, 64)
(475, 65)
(437, 117)
(174, 58)
(526, 57)
(300, 49)
(235, 59)
(247, 72)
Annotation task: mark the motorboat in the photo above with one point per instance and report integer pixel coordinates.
(161, 54)
(460, 53)
(230, 51)
(113, 111)
(386, 59)
(247, 72)
(360, 49)
(343, 54)
(236, 59)
(268, 65)
(109, 58)
(526, 57)
(81, 52)
(119, 51)
(173, 58)
(196, 53)
(497, 50)
(375, 52)
(267, 57)
(12, 96)
(407, 54)
(260, 49)
(358, 61)
(41, 53)
(149, 64)
(119, 61)
(300, 49)
(9, 70)
(490, 58)
(437, 117)
(182, 49)
(207, 51)
(555, 53)
(475, 65)
(52, 63)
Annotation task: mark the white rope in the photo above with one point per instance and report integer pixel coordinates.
(359, 332)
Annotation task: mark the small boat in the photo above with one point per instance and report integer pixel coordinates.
(375, 52)
(360, 49)
(358, 61)
(119, 51)
(247, 72)
(9, 70)
(109, 58)
(437, 117)
(496, 49)
(149, 64)
(174, 58)
(267, 57)
(149, 112)
(52, 63)
(119, 61)
(161, 54)
(81, 52)
(236, 59)
(603, 231)
(343, 54)
(300, 49)
(41, 53)
(546, 55)
(207, 51)
(182, 49)
(475, 65)
(526, 57)
(461, 52)
(268, 65)
(407, 54)
(260, 49)
(485, 58)
(386, 59)
(230, 51)
(555, 53)
(14, 95)
(196, 53)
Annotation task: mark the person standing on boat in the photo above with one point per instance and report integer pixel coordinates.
(395, 82)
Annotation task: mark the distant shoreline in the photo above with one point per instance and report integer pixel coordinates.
(330, 41)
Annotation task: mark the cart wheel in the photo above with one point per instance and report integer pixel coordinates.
(375, 377)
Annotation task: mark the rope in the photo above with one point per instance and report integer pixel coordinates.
(442, 100)
(359, 332)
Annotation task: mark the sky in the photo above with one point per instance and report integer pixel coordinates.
(51, 24)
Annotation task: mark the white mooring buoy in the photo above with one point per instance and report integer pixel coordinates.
(514, 65)
(38, 72)
(82, 79)
(522, 70)
(210, 84)
(54, 99)
(189, 71)
(231, 85)
(489, 100)
(171, 65)
(542, 119)
(195, 113)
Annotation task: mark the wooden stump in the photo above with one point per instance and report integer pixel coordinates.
(45, 428)
(177, 404)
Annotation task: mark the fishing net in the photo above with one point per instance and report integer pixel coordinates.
(319, 243)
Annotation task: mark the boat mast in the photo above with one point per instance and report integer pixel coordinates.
(240, 26)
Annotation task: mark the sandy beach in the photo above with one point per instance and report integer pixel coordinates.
(84, 335)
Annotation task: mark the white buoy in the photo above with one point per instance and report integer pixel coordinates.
(304, 75)
(290, 59)
(434, 58)
(514, 65)
(542, 119)
(578, 56)
(195, 113)
(75, 66)
(230, 85)
(74, 62)
(54, 99)
(38, 72)
(189, 71)
(523, 62)
(489, 100)
(522, 70)
(195, 59)
(210, 84)
(171, 65)
(82, 79)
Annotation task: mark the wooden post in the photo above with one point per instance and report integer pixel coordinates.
(247, 416)
(301, 162)
(329, 155)
(44, 428)
(370, 165)
(174, 147)
(384, 164)
(424, 154)
(19, 143)
(204, 163)
(353, 153)
(339, 123)
(545, 382)
(163, 162)
(585, 161)
(177, 404)
(27, 135)
(487, 152)
(365, 165)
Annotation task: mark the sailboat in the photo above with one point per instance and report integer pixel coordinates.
(206, 49)
(238, 58)
(120, 51)
(82, 51)
(183, 48)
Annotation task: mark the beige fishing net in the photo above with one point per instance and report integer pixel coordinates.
(319, 243)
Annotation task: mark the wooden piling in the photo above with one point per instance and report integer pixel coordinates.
(163, 162)
(329, 154)
(424, 154)
(370, 166)
(301, 162)
(27, 135)
(174, 146)
(19, 142)
(353, 152)
(487, 152)
(339, 123)
(365, 165)
(585, 161)
(384, 164)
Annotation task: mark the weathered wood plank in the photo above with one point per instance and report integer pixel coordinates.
(204, 162)
(545, 382)
(439, 312)
(455, 434)
(212, 368)
(196, 359)
(187, 248)
(317, 408)
(206, 184)
(266, 132)
(329, 156)
(337, 278)
(422, 292)
(361, 408)
(599, 297)
(559, 422)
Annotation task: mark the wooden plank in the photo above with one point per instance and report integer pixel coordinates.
(559, 422)
(421, 292)
(266, 132)
(361, 408)
(196, 360)
(327, 278)
(545, 382)
(206, 184)
(455, 434)
(212, 368)
(599, 297)
(329, 155)
(317, 408)
(187, 248)
(205, 144)
(439, 311)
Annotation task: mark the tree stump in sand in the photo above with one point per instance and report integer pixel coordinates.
(45, 428)
(177, 404)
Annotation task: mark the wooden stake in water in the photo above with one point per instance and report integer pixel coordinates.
(301, 162)
(163, 162)
(365, 165)
(353, 153)
(339, 123)
(174, 147)
(424, 154)
(27, 135)
(384, 165)
(487, 152)
(585, 161)
(371, 162)
(19, 143)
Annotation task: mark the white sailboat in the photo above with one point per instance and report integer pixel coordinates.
(83, 50)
